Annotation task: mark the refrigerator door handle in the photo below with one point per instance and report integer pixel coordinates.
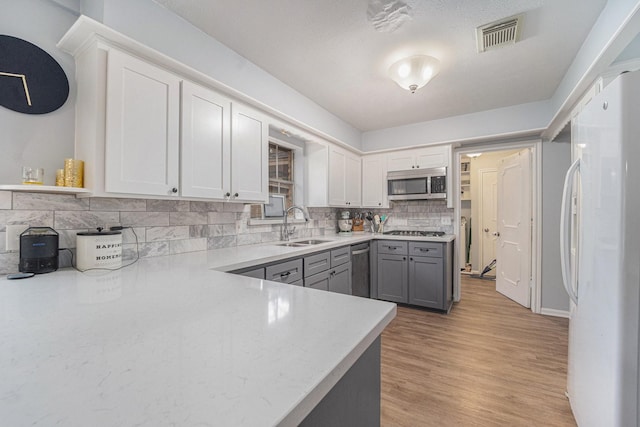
(565, 230)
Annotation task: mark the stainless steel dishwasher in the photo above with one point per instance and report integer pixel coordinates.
(360, 270)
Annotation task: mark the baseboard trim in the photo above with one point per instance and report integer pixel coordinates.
(554, 312)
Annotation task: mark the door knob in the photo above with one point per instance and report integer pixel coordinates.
(497, 234)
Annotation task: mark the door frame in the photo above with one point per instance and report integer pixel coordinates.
(536, 205)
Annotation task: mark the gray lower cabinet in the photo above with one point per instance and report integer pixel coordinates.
(340, 279)
(318, 281)
(286, 272)
(426, 282)
(335, 280)
(417, 273)
(256, 273)
(393, 283)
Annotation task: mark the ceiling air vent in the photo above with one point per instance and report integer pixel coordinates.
(500, 33)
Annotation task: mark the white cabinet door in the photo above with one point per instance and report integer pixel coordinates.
(142, 122)
(344, 178)
(374, 182)
(435, 157)
(249, 155)
(401, 161)
(337, 176)
(206, 143)
(353, 175)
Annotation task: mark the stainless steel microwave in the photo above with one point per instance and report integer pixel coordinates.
(417, 184)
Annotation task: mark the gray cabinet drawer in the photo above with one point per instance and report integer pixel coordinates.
(340, 279)
(392, 247)
(286, 272)
(314, 264)
(429, 249)
(298, 283)
(340, 256)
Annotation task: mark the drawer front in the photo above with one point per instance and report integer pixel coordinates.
(392, 247)
(286, 272)
(298, 283)
(429, 249)
(317, 263)
(340, 256)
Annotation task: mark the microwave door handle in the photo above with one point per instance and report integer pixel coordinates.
(429, 185)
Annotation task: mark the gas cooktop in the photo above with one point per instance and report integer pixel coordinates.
(415, 233)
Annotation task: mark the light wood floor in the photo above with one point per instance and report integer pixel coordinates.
(490, 362)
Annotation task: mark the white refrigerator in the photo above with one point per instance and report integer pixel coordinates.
(600, 246)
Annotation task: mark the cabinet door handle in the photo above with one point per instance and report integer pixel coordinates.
(411, 259)
(413, 167)
(404, 258)
(235, 195)
(379, 204)
(227, 194)
(174, 190)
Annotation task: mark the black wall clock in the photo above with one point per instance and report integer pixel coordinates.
(31, 81)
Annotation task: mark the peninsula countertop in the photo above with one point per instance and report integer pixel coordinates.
(170, 341)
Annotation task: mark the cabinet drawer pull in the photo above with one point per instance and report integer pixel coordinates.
(424, 250)
(285, 274)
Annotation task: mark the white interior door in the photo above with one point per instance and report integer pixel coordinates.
(514, 227)
(488, 216)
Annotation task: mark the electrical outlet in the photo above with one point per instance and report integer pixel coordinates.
(13, 236)
(445, 220)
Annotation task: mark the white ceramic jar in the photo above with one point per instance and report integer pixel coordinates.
(99, 250)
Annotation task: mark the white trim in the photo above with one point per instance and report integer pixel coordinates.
(536, 233)
(536, 146)
(555, 313)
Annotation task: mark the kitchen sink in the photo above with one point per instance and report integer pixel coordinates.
(313, 242)
(303, 243)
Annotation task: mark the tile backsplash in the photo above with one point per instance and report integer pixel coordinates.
(164, 227)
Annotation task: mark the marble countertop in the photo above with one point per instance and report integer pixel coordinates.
(241, 257)
(169, 341)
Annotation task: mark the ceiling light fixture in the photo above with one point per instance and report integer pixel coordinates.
(414, 72)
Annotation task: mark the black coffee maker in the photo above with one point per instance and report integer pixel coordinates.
(38, 250)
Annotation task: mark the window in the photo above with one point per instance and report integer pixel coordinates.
(281, 170)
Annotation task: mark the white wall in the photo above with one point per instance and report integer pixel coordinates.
(556, 159)
(37, 140)
(517, 121)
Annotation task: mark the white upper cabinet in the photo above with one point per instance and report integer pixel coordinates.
(344, 178)
(144, 131)
(374, 181)
(141, 129)
(206, 143)
(223, 147)
(430, 157)
(249, 155)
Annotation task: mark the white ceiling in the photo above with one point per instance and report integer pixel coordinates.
(329, 51)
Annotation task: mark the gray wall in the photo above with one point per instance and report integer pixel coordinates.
(37, 140)
(556, 159)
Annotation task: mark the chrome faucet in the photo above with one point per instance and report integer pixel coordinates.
(286, 233)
